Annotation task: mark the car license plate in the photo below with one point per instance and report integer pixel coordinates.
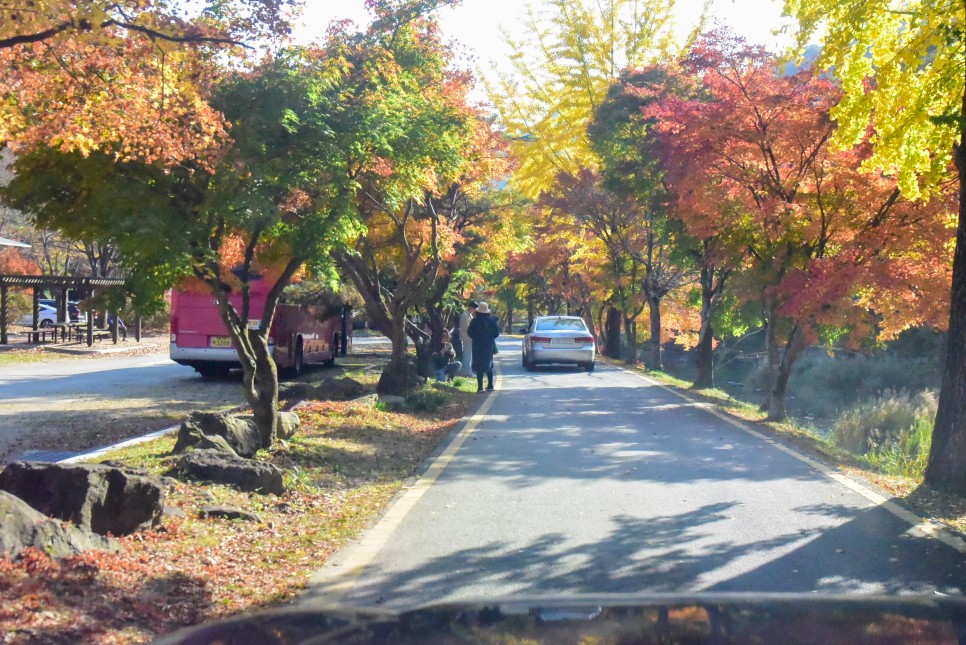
(561, 341)
(220, 341)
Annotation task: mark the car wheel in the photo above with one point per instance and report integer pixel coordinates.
(589, 366)
(47, 322)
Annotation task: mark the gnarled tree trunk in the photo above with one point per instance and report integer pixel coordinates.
(260, 383)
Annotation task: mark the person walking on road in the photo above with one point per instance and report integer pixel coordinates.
(467, 356)
(483, 330)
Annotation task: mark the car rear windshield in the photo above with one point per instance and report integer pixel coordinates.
(561, 324)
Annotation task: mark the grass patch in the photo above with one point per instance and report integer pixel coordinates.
(342, 468)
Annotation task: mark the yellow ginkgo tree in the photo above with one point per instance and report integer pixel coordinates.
(560, 73)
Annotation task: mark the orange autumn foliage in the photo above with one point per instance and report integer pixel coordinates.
(12, 261)
(269, 262)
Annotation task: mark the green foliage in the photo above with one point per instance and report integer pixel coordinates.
(907, 454)
(893, 419)
(18, 304)
(427, 400)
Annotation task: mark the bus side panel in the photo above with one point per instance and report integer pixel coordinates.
(198, 334)
(292, 322)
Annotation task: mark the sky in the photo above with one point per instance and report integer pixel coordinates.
(476, 23)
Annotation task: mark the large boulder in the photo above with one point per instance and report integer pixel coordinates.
(95, 497)
(287, 424)
(21, 526)
(244, 474)
(239, 433)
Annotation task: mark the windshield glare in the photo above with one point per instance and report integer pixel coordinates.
(561, 324)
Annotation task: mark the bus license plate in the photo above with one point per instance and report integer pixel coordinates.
(220, 341)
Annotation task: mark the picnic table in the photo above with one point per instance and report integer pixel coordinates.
(69, 330)
(40, 334)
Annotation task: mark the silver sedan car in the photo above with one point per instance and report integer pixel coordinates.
(558, 339)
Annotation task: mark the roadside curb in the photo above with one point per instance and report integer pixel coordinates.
(99, 452)
(329, 585)
(920, 526)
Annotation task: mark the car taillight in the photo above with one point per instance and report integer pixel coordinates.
(539, 339)
(174, 327)
(584, 339)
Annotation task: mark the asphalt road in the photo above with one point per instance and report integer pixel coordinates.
(53, 380)
(606, 483)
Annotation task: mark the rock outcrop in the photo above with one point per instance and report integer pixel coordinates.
(21, 526)
(234, 435)
(200, 429)
(243, 474)
(94, 497)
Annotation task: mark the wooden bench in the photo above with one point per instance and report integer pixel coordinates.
(101, 334)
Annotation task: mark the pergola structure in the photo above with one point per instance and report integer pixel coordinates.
(60, 285)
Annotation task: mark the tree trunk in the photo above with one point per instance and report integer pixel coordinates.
(260, 383)
(612, 333)
(946, 469)
(704, 358)
(780, 364)
(704, 352)
(399, 375)
(631, 333)
(654, 307)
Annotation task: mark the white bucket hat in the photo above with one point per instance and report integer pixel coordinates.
(483, 308)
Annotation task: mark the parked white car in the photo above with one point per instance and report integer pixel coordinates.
(46, 316)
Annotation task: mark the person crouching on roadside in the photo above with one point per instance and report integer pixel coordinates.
(444, 361)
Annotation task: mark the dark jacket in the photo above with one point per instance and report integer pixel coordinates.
(483, 330)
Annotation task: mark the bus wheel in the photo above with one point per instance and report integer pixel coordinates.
(330, 362)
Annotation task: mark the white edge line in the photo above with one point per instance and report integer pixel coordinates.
(117, 446)
(334, 581)
(921, 527)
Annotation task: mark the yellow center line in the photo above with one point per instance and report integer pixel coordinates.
(334, 582)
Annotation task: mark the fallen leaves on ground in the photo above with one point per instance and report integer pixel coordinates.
(345, 464)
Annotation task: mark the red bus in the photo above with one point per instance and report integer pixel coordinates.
(300, 334)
